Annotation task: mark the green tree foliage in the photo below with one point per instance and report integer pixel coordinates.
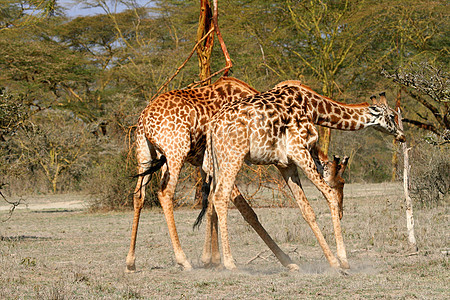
(100, 71)
(56, 144)
(22, 13)
(43, 71)
(12, 113)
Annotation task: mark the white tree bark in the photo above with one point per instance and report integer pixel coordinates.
(408, 201)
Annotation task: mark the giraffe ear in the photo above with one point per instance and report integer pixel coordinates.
(374, 99)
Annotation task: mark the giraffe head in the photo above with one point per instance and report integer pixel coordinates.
(332, 174)
(384, 118)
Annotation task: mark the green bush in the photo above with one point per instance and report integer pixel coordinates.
(430, 174)
(111, 183)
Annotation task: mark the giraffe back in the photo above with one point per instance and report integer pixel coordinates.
(184, 114)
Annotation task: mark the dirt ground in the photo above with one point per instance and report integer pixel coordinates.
(52, 248)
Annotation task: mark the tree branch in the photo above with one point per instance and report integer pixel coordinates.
(429, 106)
(422, 125)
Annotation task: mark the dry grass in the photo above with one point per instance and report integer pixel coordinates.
(57, 254)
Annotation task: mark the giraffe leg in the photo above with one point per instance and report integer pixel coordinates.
(307, 165)
(210, 254)
(144, 155)
(290, 175)
(220, 197)
(250, 216)
(215, 258)
(220, 200)
(139, 196)
(165, 195)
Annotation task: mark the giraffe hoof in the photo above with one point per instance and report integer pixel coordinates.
(187, 268)
(211, 265)
(345, 265)
(230, 267)
(130, 269)
(293, 268)
(343, 272)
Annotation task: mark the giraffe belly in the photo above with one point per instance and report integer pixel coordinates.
(266, 150)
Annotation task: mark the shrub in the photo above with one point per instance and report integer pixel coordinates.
(430, 174)
(111, 183)
(48, 152)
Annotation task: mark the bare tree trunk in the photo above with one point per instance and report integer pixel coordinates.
(408, 201)
(394, 142)
(325, 132)
(205, 23)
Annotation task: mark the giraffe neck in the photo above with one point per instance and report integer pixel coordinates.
(336, 115)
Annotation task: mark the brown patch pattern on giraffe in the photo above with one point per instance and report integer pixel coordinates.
(268, 128)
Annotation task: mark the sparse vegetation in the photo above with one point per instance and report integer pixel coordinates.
(72, 88)
(96, 73)
(112, 183)
(430, 175)
(76, 255)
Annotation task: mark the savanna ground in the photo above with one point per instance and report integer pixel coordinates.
(55, 249)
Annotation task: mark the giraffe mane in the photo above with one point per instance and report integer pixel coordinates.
(289, 82)
(300, 84)
(355, 105)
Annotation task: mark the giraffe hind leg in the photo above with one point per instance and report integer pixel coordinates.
(165, 196)
(145, 152)
(250, 216)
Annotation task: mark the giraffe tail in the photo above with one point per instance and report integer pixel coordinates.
(208, 167)
(206, 187)
(155, 165)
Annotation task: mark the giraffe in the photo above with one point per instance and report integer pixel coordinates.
(331, 172)
(277, 127)
(172, 130)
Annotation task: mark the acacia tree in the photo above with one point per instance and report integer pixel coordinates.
(55, 143)
(429, 86)
(22, 13)
(329, 39)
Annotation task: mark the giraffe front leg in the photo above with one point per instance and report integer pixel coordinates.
(211, 254)
(308, 166)
(144, 154)
(340, 246)
(165, 196)
(139, 196)
(290, 175)
(206, 253)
